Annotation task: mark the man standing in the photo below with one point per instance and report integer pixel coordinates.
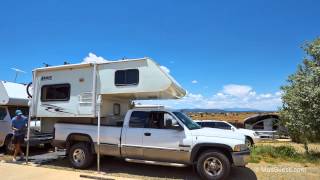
(19, 123)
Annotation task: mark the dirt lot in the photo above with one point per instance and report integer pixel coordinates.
(119, 168)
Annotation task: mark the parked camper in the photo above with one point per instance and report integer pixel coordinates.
(13, 96)
(265, 125)
(89, 108)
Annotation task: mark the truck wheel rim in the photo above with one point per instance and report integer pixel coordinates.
(248, 142)
(78, 156)
(212, 166)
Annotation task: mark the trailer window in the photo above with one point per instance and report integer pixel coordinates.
(12, 110)
(126, 77)
(56, 92)
(259, 125)
(3, 113)
(139, 119)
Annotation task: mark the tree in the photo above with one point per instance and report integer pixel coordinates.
(300, 112)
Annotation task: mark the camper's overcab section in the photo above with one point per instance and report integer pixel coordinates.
(73, 90)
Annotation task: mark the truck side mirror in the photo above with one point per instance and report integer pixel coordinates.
(175, 125)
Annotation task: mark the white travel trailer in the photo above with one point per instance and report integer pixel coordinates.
(13, 96)
(69, 93)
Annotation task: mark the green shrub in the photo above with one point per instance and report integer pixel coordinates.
(272, 154)
(286, 151)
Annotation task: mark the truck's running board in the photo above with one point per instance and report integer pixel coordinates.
(155, 162)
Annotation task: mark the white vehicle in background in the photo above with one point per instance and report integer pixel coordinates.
(13, 96)
(251, 136)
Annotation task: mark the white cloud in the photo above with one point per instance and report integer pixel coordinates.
(91, 58)
(194, 81)
(235, 96)
(237, 90)
(167, 70)
(279, 93)
(267, 95)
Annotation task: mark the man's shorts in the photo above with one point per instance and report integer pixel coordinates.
(19, 139)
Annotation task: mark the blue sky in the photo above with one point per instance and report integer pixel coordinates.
(236, 53)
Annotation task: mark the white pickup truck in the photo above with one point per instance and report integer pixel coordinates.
(160, 137)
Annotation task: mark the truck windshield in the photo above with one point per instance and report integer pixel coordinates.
(187, 121)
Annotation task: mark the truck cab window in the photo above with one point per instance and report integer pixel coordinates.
(3, 113)
(158, 120)
(56, 92)
(139, 119)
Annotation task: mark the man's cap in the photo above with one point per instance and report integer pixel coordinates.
(18, 112)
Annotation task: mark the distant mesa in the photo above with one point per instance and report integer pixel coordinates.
(199, 110)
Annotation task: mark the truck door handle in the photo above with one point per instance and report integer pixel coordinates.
(147, 134)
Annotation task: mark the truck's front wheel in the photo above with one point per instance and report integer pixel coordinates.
(213, 165)
(80, 155)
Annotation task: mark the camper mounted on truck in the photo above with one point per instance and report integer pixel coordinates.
(70, 92)
(89, 109)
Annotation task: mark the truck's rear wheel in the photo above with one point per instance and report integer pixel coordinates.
(80, 155)
(213, 165)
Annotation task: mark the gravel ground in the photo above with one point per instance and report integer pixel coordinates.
(119, 168)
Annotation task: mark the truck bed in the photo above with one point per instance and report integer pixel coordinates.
(109, 135)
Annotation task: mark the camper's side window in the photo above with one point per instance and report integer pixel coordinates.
(56, 92)
(126, 77)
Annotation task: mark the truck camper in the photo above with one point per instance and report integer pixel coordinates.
(89, 108)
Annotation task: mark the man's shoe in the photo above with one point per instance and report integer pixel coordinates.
(14, 160)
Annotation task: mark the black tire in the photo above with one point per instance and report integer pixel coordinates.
(9, 147)
(249, 141)
(220, 160)
(85, 158)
